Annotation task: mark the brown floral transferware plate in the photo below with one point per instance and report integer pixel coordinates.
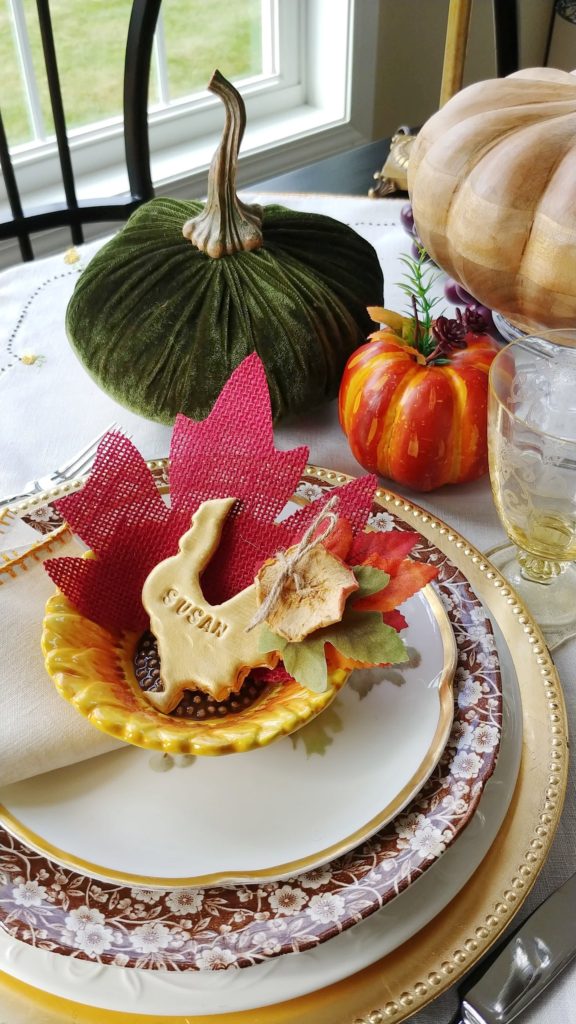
(69, 913)
(383, 742)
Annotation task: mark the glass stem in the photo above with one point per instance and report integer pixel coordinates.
(536, 569)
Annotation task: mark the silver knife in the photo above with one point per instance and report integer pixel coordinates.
(520, 970)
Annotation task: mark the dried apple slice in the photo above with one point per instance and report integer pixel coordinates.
(314, 593)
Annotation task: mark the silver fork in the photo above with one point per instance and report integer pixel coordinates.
(78, 464)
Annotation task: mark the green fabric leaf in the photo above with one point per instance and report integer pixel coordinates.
(370, 579)
(306, 662)
(359, 635)
(364, 637)
(269, 641)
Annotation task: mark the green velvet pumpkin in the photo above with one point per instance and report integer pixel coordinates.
(161, 324)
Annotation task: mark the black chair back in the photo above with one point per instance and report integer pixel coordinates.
(74, 212)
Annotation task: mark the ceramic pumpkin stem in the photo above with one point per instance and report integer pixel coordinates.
(226, 225)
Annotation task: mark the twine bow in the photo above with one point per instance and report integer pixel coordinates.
(289, 562)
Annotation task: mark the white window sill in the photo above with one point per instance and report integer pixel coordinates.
(271, 146)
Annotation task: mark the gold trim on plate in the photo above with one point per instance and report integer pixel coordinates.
(436, 957)
(445, 715)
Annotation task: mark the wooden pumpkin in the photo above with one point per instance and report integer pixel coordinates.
(168, 308)
(417, 419)
(492, 180)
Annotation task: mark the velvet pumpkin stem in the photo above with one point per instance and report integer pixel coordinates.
(226, 225)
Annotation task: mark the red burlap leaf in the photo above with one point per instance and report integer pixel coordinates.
(246, 543)
(232, 453)
(120, 486)
(121, 516)
(354, 504)
(108, 588)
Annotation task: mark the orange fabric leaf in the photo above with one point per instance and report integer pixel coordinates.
(410, 577)
(382, 550)
(335, 659)
(339, 541)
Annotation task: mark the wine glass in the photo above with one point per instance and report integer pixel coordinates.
(532, 453)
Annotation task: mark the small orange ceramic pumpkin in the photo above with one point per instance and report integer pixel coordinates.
(414, 408)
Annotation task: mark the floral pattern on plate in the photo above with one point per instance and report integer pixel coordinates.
(221, 927)
(44, 519)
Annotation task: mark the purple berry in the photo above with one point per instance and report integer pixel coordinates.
(483, 313)
(451, 292)
(407, 218)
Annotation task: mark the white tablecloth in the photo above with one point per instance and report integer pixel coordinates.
(49, 406)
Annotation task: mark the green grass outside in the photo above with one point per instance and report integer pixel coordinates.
(90, 37)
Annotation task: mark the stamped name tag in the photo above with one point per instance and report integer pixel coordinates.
(193, 614)
(201, 646)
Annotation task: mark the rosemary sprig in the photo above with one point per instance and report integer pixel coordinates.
(418, 279)
(432, 334)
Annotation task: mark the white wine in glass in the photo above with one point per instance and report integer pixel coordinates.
(532, 451)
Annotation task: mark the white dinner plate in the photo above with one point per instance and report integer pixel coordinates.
(118, 818)
(199, 929)
(174, 993)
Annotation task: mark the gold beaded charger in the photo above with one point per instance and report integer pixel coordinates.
(447, 946)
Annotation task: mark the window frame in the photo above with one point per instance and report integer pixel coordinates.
(319, 102)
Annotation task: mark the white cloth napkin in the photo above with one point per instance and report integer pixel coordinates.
(39, 730)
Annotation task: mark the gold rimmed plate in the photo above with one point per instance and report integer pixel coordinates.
(438, 955)
(155, 842)
(377, 870)
(376, 745)
(382, 736)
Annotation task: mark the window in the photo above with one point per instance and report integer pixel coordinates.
(191, 37)
(305, 69)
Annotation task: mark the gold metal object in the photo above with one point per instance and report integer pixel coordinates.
(394, 175)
